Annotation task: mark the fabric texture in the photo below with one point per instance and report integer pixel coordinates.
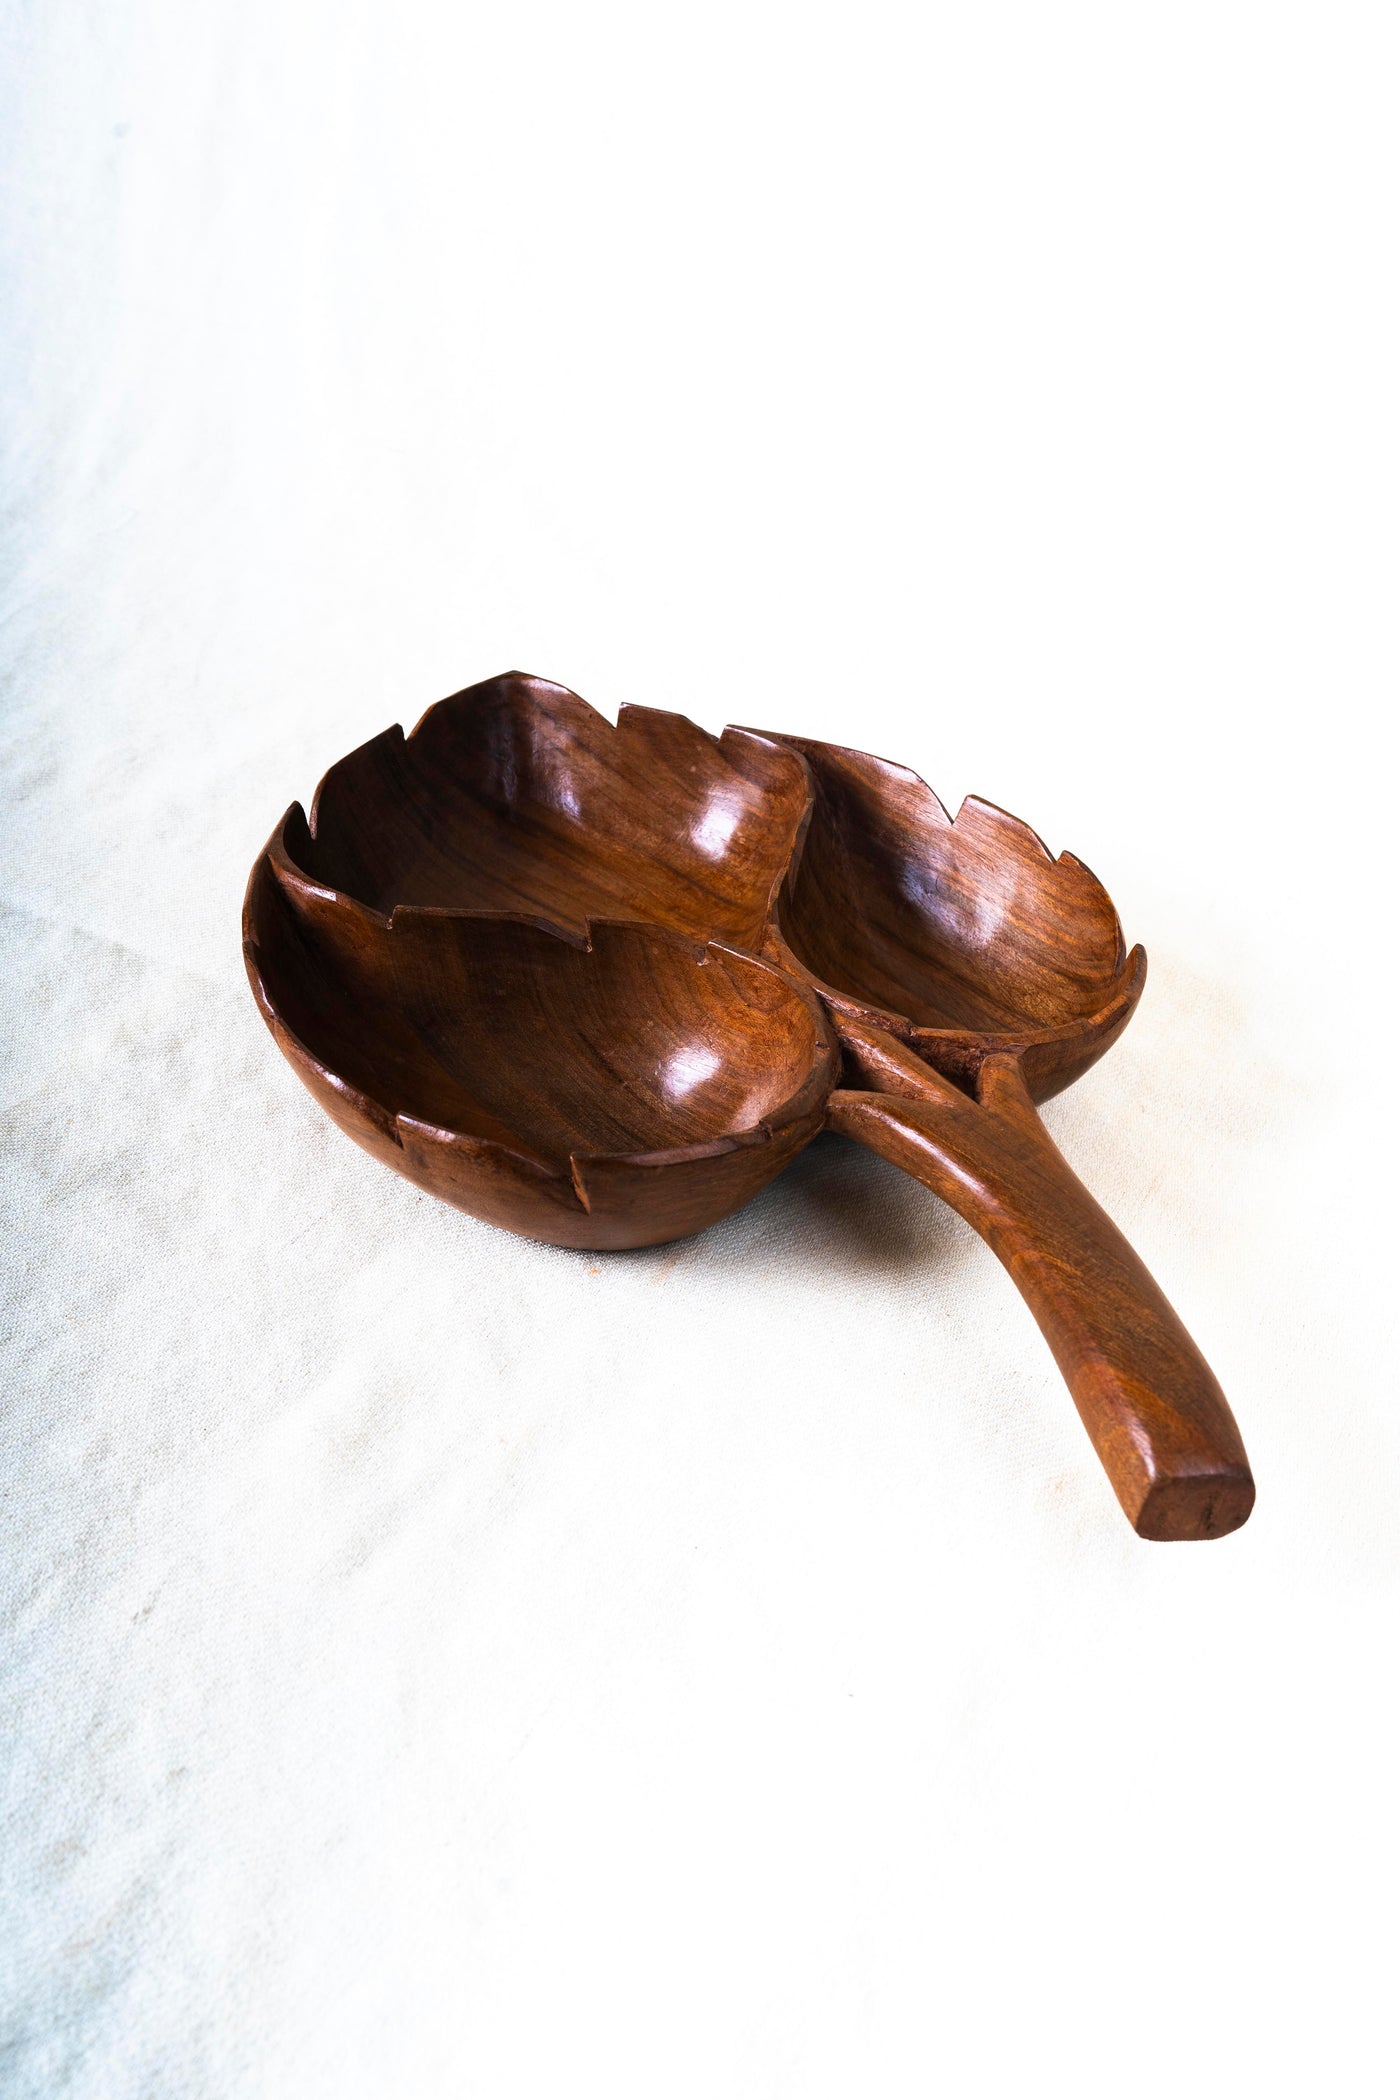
(437, 1664)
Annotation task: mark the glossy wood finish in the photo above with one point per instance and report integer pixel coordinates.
(609, 1092)
(1150, 1402)
(962, 937)
(1005, 970)
(436, 951)
(517, 796)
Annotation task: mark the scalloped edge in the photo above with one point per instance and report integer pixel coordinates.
(569, 1174)
(560, 700)
(1123, 988)
(972, 807)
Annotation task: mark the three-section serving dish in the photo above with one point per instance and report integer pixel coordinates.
(598, 985)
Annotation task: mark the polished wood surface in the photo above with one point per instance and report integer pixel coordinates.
(962, 937)
(604, 1092)
(1150, 1402)
(581, 981)
(1005, 970)
(517, 796)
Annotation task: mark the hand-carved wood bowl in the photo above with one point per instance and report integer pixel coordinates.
(604, 1092)
(581, 982)
(517, 796)
(958, 937)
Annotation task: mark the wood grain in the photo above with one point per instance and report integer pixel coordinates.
(581, 981)
(970, 973)
(1150, 1402)
(516, 796)
(962, 936)
(610, 1091)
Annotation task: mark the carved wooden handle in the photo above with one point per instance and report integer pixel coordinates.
(1158, 1419)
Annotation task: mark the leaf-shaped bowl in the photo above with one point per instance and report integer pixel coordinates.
(962, 937)
(610, 1090)
(517, 956)
(517, 796)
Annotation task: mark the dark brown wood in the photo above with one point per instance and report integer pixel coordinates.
(577, 979)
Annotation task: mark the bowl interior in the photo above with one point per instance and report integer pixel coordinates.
(501, 1030)
(516, 796)
(966, 924)
(637, 1044)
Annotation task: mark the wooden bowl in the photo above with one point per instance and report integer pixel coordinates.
(962, 937)
(589, 984)
(517, 796)
(606, 1091)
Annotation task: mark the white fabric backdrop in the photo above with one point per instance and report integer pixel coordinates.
(435, 1664)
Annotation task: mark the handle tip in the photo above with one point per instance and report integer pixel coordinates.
(1196, 1506)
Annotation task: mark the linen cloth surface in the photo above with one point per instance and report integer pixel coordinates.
(438, 1664)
